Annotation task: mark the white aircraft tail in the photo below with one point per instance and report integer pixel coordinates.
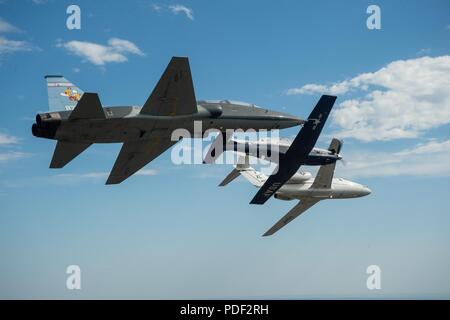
(243, 168)
(62, 94)
(324, 177)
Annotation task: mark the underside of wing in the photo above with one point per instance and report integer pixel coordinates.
(174, 94)
(136, 154)
(301, 207)
(66, 152)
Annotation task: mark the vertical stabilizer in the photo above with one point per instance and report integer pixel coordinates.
(62, 94)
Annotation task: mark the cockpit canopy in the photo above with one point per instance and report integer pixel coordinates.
(228, 102)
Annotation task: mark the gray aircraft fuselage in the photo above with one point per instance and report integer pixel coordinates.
(124, 124)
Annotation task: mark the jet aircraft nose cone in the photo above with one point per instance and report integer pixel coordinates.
(287, 120)
(367, 191)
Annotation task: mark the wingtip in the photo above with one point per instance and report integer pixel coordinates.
(177, 58)
(268, 233)
(327, 96)
(254, 201)
(111, 181)
(53, 76)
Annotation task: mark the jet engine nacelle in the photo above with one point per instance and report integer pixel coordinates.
(46, 125)
(299, 177)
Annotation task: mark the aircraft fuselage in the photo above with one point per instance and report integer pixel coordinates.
(340, 189)
(128, 124)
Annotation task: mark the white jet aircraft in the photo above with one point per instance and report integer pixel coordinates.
(302, 186)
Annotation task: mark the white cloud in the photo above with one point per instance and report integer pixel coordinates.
(147, 172)
(11, 46)
(401, 100)
(311, 88)
(11, 155)
(114, 51)
(124, 46)
(178, 8)
(429, 159)
(7, 139)
(156, 7)
(39, 1)
(424, 51)
(5, 27)
(427, 148)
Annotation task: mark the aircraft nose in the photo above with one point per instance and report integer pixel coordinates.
(366, 191)
(287, 120)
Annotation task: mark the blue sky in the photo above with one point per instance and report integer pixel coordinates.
(172, 233)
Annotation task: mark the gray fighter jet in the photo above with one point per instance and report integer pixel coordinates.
(77, 120)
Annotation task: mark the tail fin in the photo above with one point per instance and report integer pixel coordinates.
(324, 177)
(335, 146)
(62, 94)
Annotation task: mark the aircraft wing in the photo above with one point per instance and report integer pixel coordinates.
(136, 154)
(299, 150)
(174, 94)
(301, 207)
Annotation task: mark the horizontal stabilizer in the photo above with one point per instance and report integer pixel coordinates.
(89, 107)
(65, 152)
(256, 178)
(230, 177)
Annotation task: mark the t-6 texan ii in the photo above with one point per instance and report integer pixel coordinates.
(77, 120)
